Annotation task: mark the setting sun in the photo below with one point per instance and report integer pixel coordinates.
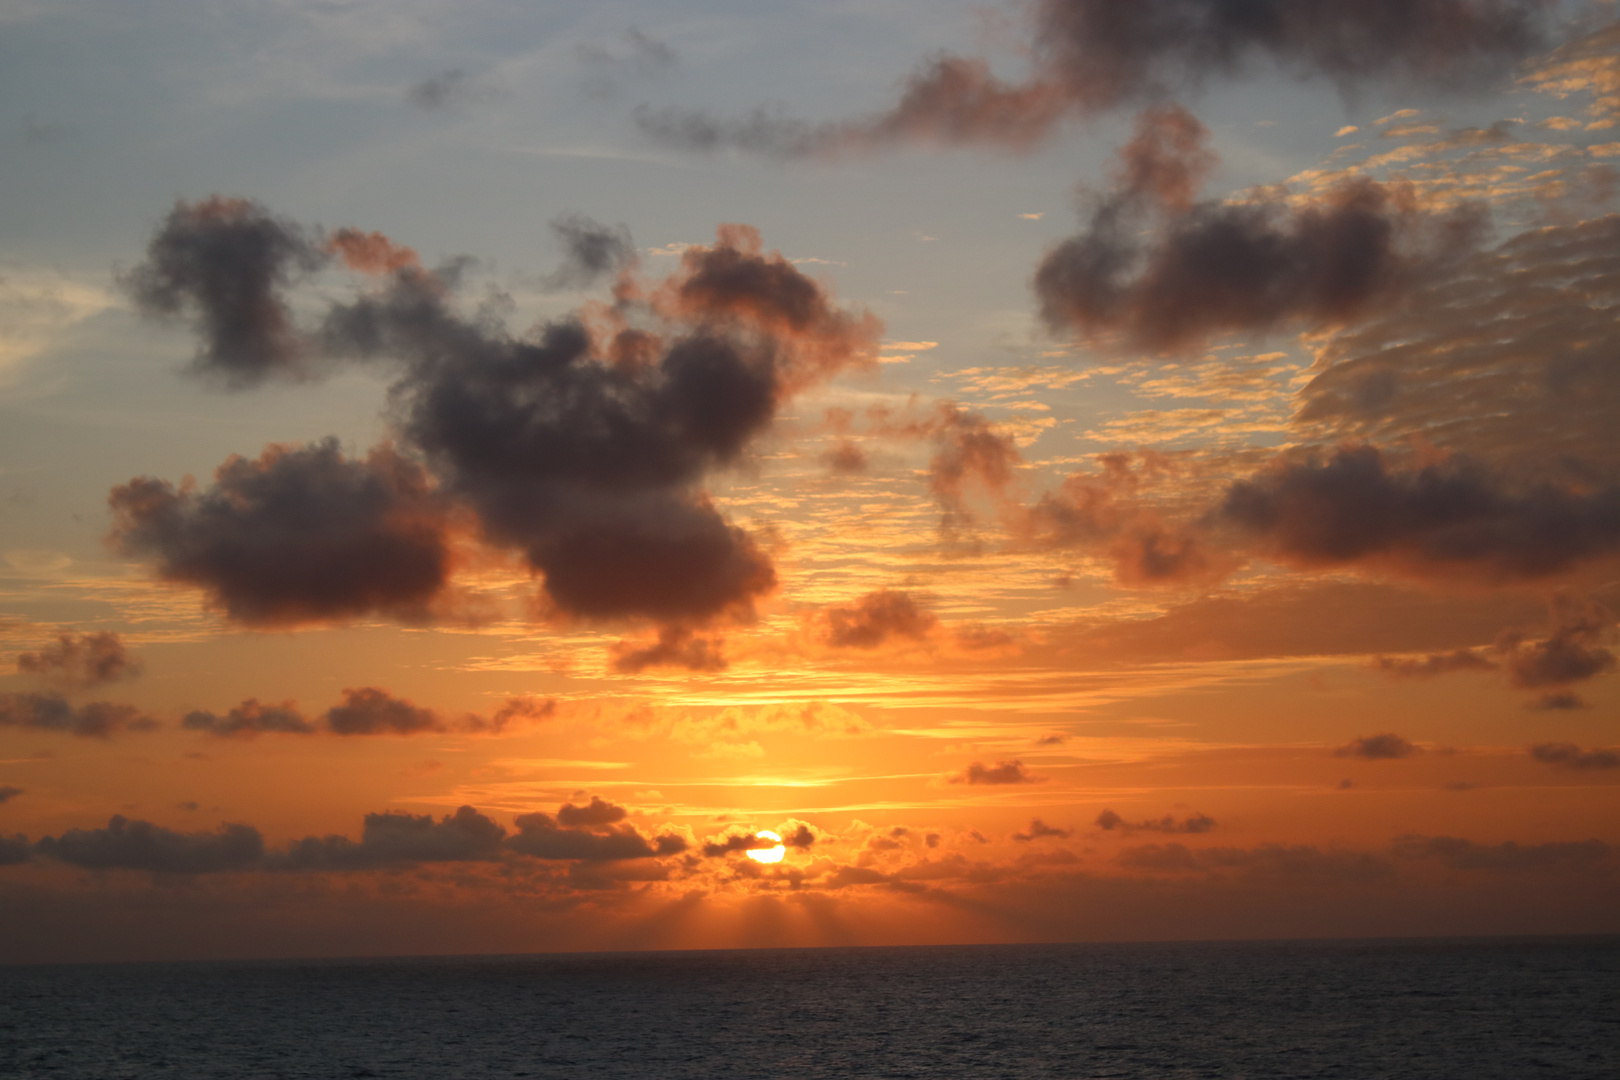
(770, 854)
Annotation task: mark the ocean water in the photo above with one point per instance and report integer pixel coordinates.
(1469, 1010)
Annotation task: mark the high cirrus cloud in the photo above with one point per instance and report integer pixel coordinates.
(300, 534)
(583, 446)
(1088, 56)
(82, 660)
(1265, 262)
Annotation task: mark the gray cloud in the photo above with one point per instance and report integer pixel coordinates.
(1570, 756)
(1002, 772)
(7, 793)
(299, 535)
(591, 251)
(82, 660)
(393, 839)
(249, 719)
(1260, 264)
(1509, 857)
(141, 845)
(543, 836)
(877, 618)
(226, 263)
(1088, 56)
(1386, 747)
(1109, 821)
(51, 712)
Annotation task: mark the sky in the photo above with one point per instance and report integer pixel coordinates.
(1068, 471)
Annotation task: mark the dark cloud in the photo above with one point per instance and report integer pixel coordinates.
(1270, 862)
(7, 793)
(877, 618)
(591, 251)
(543, 836)
(1109, 821)
(365, 711)
(299, 535)
(969, 454)
(226, 263)
(82, 660)
(595, 813)
(369, 711)
(1570, 756)
(249, 719)
(1573, 652)
(1386, 747)
(1002, 772)
(1262, 263)
(1508, 857)
(1103, 512)
(1039, 830)
(1088, 56)
(583, 448)
(50, 712)
(1435, 664)
(738, 839)
(15, 850)
(141, 845)
(1455, 517)
(440, 91)
(676, 647)
(392, 839)
(1560, 700)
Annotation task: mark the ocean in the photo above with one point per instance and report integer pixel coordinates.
(1358, 1010)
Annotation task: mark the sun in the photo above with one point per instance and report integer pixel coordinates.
(771, 854)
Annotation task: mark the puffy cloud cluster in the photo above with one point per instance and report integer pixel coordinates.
(301, 534)
(583, 446)
(1094, 55)
(141, 845)
(52, 712)
(1262, 263)
(1385, 747)
(1109, 821)
(1570, 756)
(391, 839)
(82, 660)
(876, 619)
(364, 711)
(1002, 772)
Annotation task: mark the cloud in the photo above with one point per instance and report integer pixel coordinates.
(1454, 517)
(877, 618)
(676, 647)
(1505, 858)
(595, 813)
(1570, 756)
(249, 719)
(543, 836)
(369, 711)
(82, 660)
(50, 712)
(1262, 263)
(364, 711)
(1002, 772)
(15, 850)
(1039, 830)
(1109, 821)
(7, 793)
(226, 264)
(1435, 664)
(582, 445)
(1560, 700)
(1571, 653)
(1387, 747)
(591, 251)
(391, 839)
(302, 534)
(1088, 56)
(970, 454)
(441, 91)
(141, 845)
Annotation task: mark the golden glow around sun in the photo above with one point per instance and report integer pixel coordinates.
(768, 855)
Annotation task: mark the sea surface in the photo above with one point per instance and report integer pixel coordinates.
(1361, 1010)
